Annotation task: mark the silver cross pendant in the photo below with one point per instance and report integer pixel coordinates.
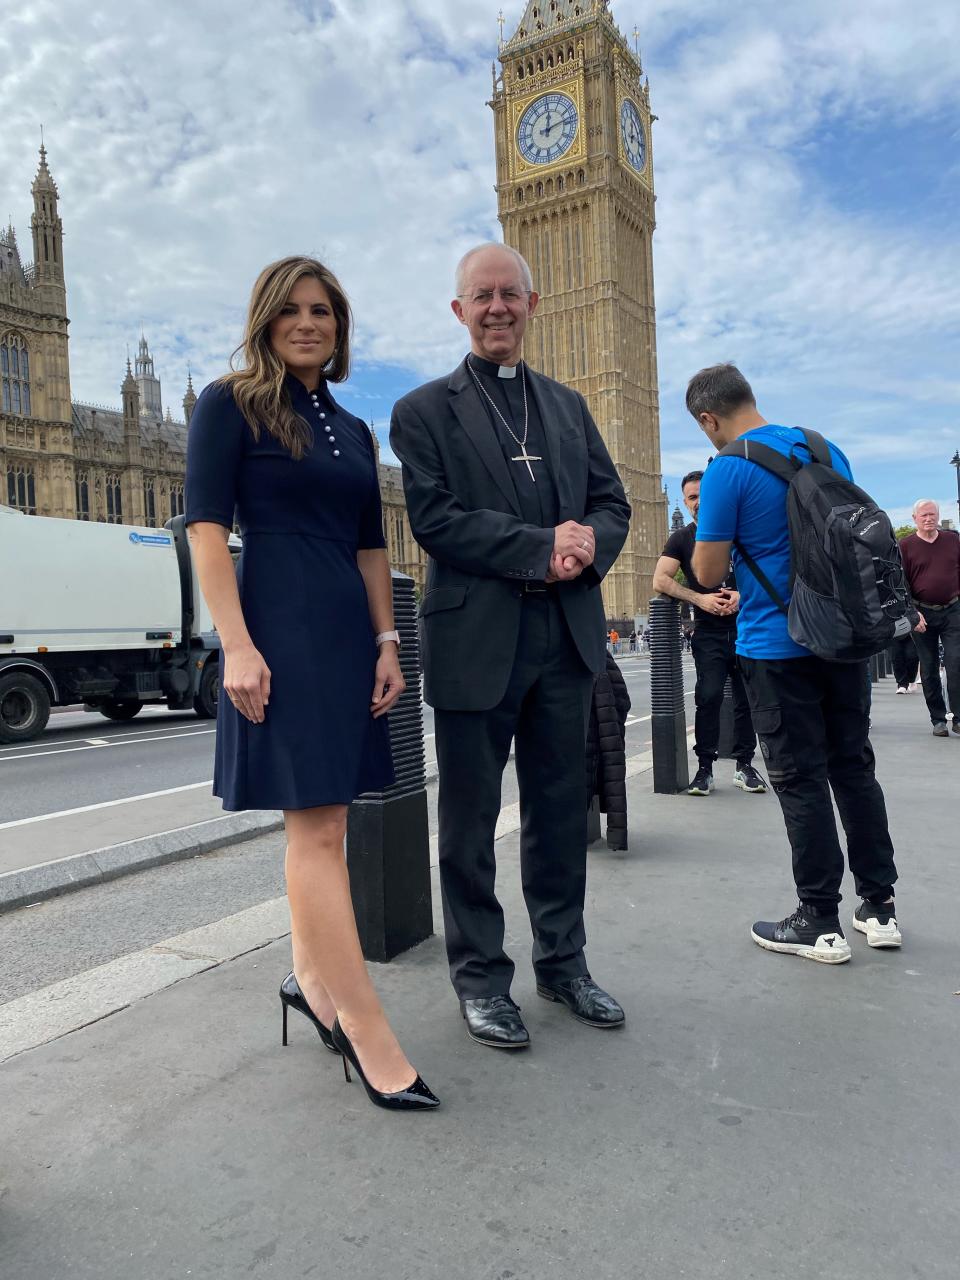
(528, 458)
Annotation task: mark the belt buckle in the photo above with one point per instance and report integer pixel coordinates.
(535, 588)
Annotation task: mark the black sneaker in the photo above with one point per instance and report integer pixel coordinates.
(879, 923)
(747, 779)
(956, 726)
(940, 729)
(702, 784)
(807, 934)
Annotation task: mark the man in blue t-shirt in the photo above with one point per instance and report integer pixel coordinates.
(812, 716)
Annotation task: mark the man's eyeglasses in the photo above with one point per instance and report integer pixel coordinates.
(483, 297)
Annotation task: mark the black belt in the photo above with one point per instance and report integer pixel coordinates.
(949, 605)
(538, 588)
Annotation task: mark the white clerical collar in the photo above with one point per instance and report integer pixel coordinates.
(507, 371)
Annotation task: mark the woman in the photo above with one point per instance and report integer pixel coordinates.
(310, 661)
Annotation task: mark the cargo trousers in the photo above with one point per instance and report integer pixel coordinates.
(813, 721)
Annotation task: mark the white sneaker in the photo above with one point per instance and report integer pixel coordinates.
(903, 689)
(879, 925)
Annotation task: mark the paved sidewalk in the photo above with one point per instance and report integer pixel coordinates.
(760, 1117)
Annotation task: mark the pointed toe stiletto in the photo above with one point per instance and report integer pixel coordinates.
(291, 997)
(416, 1097)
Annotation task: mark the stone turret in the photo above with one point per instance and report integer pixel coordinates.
(189, 400)
(46, 226)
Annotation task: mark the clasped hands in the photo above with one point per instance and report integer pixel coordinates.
(721, 603)
(574, 548)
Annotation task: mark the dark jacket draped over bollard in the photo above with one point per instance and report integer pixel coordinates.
(606, 751)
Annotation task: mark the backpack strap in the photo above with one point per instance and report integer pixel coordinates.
(782, 466)
(819, 449)
(762, 578)
(770, 459)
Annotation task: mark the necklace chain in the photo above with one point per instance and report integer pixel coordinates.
(525, 457)
(526, 408)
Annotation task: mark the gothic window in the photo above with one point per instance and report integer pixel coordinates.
(520, 195)
(568, 255)
(548, 262)
(584, 365)
(14, 375)
(578, 254)
(114, 500)
(176, 500)
(150, 504)
(21, 488)
(83, 495)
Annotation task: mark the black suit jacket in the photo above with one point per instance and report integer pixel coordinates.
(464, 512)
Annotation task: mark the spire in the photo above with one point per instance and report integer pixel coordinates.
(190, 399)
(46, 225)
(151, 400)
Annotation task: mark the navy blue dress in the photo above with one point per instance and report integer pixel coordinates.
(303, 599)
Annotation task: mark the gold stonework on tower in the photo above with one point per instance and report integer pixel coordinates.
(580, 208)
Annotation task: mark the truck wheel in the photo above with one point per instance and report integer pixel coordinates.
(24, 707)
(205, 703)
(117, 710)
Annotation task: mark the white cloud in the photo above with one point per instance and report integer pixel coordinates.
(193, 143)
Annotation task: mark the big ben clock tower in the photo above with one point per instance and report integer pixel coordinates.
(575, 192)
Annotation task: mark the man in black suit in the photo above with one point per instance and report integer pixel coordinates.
(513, 495)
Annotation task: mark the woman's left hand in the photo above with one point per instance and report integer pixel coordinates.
(389, 683)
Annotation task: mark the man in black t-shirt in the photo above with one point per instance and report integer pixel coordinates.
(714, 653)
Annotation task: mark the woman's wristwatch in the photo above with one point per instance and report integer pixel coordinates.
(384, 636)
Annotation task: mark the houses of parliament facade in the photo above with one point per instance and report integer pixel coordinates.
(575, 195)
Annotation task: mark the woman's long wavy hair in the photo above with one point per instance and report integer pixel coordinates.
(258, 384)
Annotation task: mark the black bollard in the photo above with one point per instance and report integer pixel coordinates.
(388, 838)
(874, 671)
(671, 771)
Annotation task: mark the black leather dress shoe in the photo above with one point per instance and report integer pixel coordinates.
(586, 1001)
(495, 1021)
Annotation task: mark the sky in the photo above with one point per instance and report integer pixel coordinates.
(806, 160)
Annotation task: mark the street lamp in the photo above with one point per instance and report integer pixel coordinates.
(955, 462)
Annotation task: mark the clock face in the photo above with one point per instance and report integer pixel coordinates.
(634, 138)
(547, 128)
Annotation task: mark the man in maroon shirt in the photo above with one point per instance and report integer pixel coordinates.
(931, 560)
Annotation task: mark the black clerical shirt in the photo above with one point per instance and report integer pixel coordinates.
(537, 498)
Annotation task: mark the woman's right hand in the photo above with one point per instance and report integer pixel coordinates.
(246, 682)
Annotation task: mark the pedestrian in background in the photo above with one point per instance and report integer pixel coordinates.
(714, 644)
(309, 663)
(931, 562)
(905, 661)
(812, 716)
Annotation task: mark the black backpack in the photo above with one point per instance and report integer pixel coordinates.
(848, 591)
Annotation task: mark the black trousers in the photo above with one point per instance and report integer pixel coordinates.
(813, 721)
(905, 660)
(943, 626)
(544, 710)
(715, 657)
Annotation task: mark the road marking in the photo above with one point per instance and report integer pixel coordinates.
(112, 742)
(116, 737)
(97, 742)
(104, 804)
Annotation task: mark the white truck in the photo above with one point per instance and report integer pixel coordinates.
(104, 614)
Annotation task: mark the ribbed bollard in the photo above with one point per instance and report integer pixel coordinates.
(388, 838)
(669, 718)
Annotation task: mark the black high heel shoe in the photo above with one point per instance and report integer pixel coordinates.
(291, 997)
(417, 1097)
